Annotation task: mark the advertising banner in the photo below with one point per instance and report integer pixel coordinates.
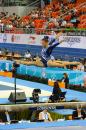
(33, 39)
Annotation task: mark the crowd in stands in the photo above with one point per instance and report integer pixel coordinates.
(58, 14)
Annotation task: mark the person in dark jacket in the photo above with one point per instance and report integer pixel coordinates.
(7, 117)
(65, 79)
(78, 114)
(56, 92)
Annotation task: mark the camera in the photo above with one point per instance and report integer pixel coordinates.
(35, 95)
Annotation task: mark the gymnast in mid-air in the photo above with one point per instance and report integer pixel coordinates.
(48, 44)
(46, 59)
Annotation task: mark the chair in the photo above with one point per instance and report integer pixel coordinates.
(58, 98)
(62, 96)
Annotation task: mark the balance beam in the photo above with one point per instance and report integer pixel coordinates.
(18, 107)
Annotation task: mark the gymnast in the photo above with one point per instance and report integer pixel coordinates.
(48, 44)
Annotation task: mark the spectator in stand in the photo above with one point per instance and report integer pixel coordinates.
(45, 116)
(51, 16)
(72, 1)
(78, 114)
(7, 117)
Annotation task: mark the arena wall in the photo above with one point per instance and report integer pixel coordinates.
(19, 10)
(73, 45)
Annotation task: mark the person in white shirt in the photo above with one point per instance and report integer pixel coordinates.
(28, 55)
(0, 51)
(8, 117)
(80, 67)
(45, 116)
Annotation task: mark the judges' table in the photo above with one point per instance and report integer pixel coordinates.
(81, 123)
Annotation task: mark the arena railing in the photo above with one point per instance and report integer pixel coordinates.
(34, 3)
(19, 3)
(42, 31)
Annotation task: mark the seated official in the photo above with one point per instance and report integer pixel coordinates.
(6, 51)
(65, 79)
(45, 116)
(56, 92)
(78, 114)
(28, 55)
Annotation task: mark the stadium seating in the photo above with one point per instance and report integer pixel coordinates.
(55, 15)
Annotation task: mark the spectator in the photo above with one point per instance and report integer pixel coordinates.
(45, 116)
(7, 117)
(78, 114)
(46, 18)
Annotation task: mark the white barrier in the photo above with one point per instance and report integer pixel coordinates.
(33, 39)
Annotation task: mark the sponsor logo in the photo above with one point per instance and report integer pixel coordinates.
(1, 37)
(12, 38)
(72, 40)
(5, 38)
(15, 38)
(32, 40)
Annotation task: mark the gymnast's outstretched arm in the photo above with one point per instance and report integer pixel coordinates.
(53, 43)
